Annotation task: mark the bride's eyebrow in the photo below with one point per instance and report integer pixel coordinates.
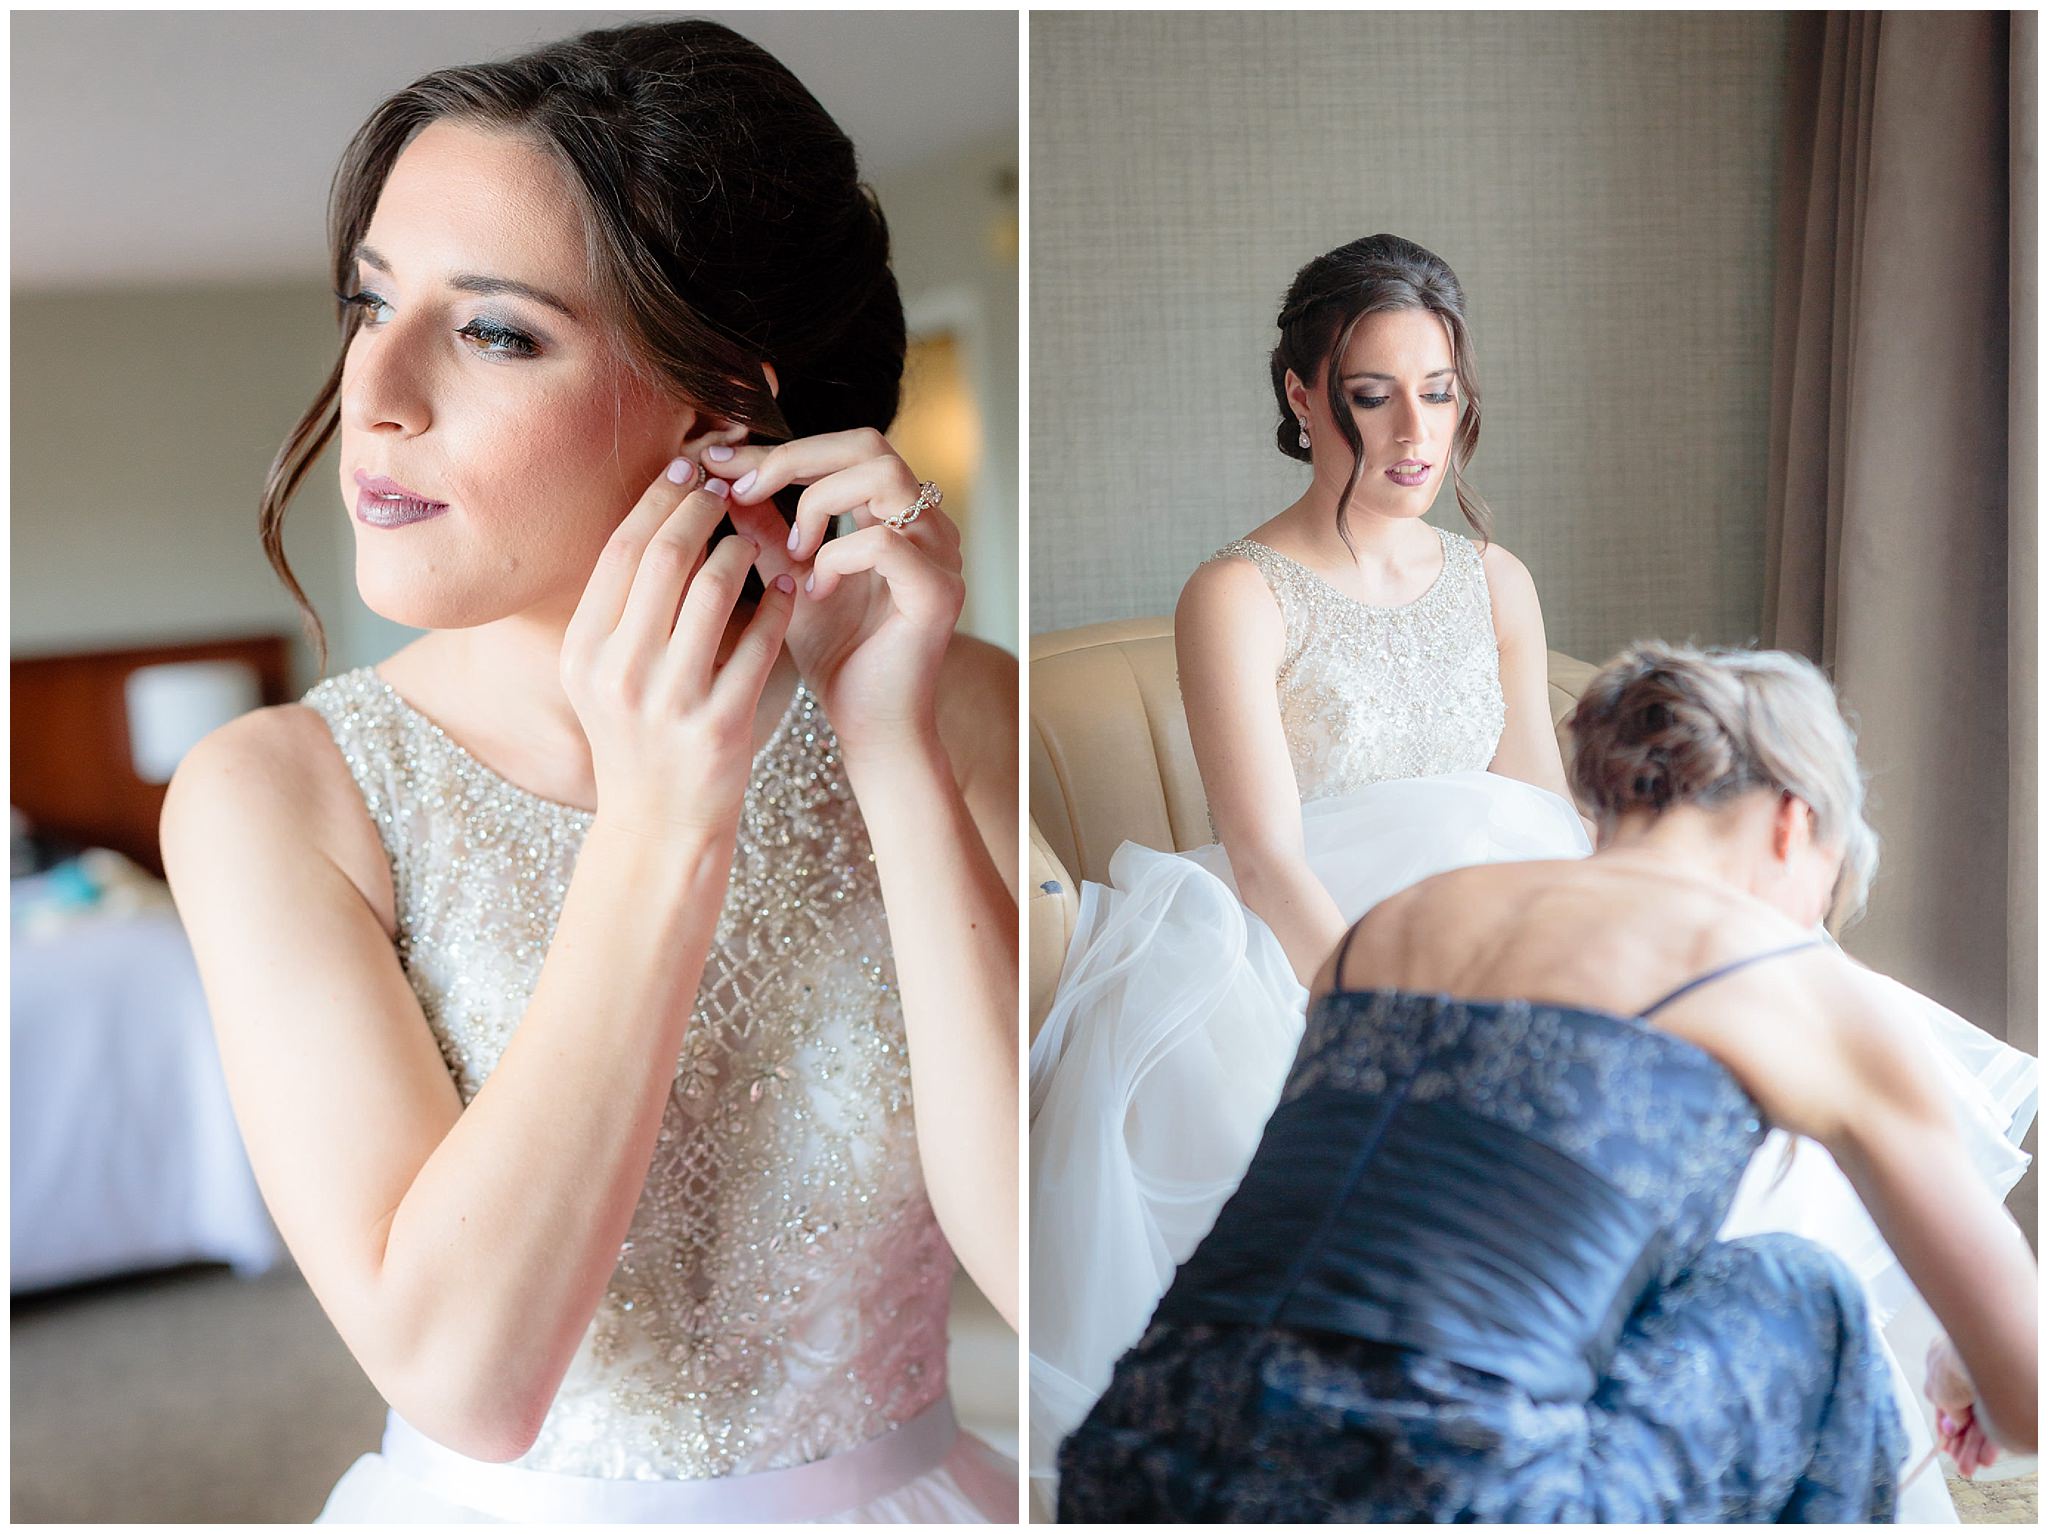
(477, 282)
(1390, 378)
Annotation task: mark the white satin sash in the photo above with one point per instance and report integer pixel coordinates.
(799, 1494)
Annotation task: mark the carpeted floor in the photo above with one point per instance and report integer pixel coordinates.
(197, 1397)
(183, 1397)
(2015, 1499)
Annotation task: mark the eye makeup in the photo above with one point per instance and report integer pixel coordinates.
(490, 336)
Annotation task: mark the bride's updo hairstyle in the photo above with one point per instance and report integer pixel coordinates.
(1328, 298)
(726, 226)
(1664, 725)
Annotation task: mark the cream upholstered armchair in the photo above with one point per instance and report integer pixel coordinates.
(1111, 762)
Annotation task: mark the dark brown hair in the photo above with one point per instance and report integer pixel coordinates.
(1662, 725)
(725, 220)
(1328, 298)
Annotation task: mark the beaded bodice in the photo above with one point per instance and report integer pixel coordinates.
(782, 1292)
(1370, 693)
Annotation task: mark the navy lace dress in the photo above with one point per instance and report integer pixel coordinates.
(1472, 1275)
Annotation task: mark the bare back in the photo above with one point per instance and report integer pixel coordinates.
(1825, 1048)
(1587, 934)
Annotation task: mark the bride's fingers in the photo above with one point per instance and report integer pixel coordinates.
(745, 671)
(922, 589)
(758, 473)
(603, 601)
(763, 523)
(869, 491)
(707, 605)
(666, 562)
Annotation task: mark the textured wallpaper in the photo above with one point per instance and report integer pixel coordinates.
(1602, 184)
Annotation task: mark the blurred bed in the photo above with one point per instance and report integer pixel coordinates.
(125, 1155)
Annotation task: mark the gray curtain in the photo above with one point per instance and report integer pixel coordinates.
(1900, 524)
(2023, 578)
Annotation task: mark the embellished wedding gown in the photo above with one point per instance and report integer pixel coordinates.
(1177, 1014)
(772, 1344)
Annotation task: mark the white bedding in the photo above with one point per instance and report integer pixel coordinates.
(125, 1154)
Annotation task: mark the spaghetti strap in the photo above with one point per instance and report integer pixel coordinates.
(1732, 965)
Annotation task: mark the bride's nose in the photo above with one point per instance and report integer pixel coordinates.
(386, 384)
(1411, 425)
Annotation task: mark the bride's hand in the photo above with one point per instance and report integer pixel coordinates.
(671, 729)
(1958, 1433)
(877, 606)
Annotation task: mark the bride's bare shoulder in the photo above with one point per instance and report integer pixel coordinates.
(281, 752)
(1226, 585)
(270, 783)
(1502, 568)
(978, 694)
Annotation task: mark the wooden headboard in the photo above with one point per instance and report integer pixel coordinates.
(73, 774)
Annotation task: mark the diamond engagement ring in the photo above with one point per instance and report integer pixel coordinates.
(928, 497)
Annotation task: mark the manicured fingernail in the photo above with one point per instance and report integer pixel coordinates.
(744, 483)
(810, 581)
(717, 487)
(785, 582)
(681, 470)
(796, 536)
(718, 454)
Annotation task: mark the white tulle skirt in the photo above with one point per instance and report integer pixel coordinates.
(1175, 1021)
(925, 1471)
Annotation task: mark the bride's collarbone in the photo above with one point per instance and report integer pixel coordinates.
(1366, 579)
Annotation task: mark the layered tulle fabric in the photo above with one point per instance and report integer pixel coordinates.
(1175, 1022)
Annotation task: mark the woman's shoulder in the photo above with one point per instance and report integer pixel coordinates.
(1241, 574)
(285, 750)
(1228, 609)
(1501, 567)
(270, 783)
(1510, 588)
(977, 703)
(978, 680)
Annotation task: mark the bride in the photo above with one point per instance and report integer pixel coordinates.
(1365, 696)
(616, 986)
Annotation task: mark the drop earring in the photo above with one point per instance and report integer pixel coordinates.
(1304, 432)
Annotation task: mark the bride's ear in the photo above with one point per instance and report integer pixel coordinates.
(1297, 394)
(704, 430)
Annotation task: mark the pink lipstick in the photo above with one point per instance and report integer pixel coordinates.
(382, 502)
(1410, 472)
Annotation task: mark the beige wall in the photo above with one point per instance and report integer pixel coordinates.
(953, 226)
(144, 422)
(1603, 186)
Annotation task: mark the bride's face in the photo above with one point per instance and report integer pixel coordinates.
(1399, 381)
(486, 388)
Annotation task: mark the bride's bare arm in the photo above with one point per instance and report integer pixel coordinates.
(1867, 1091)
(461, 1253)
(942, 816)
(1528, 745)
(1228, 639)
